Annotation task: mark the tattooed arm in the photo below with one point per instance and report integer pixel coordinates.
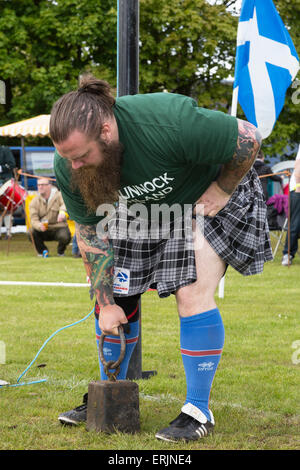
(248, 144)
(218, 193)
(98, 258)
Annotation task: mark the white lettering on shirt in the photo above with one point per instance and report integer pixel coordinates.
(148, 189)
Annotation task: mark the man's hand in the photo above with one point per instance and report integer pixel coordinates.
(212, 200)
(61, 216)
(110, 318)
(43, 227)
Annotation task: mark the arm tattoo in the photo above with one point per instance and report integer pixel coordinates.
(248, 144)
(98, 258)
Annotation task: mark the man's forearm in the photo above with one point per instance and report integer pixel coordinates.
(97, 255)
(248, 144)
(35, 220)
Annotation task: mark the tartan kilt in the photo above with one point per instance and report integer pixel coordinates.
(239, 234)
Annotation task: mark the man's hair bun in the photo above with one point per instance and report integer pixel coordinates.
(89, 84)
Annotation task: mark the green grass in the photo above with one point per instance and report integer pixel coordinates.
(255, 396)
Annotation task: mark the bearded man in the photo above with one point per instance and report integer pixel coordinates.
(151, 149)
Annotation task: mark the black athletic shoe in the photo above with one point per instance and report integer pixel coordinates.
(76, 416)
(186, 427)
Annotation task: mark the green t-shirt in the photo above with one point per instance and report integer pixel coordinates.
(173, 150)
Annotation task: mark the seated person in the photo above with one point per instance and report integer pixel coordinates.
(48, 218)
(263, 169)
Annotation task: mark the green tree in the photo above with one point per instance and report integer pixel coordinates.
(45, 46)
(186, 46)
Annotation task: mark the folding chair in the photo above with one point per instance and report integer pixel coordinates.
(278, 235)
(277, 215)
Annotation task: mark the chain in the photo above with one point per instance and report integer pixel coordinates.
(108, 366)
(112, 376)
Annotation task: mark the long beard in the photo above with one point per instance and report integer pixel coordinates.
(100, 184)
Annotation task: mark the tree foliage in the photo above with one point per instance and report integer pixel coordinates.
(45, 45)
(186, 46)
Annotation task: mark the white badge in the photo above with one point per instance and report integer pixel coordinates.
(121, 280)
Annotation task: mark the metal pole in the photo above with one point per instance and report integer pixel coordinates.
(128, 84)
(24, 166)
(128, 47)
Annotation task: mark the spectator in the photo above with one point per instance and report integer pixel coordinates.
(263, 169)
(48, 218)
(7, 166)
(294, 215)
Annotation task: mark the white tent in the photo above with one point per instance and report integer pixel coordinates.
(34, 127)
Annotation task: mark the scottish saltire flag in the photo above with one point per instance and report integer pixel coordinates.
(266, 63)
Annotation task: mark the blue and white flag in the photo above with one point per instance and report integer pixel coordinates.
(266, 64)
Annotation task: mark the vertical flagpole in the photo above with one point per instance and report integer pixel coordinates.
(234, 103)
(222, 287)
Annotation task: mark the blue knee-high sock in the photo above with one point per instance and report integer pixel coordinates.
(201, 341)
(112, 348)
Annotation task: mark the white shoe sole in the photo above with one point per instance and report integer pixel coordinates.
(163, 438)
(65, 420)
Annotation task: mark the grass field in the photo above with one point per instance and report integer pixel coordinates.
(256, 394)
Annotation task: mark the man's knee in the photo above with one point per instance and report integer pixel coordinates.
(200, 288)
(37, 235)
(63, 235)
(200, 295)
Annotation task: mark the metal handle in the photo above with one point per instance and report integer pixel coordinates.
(112, 376)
